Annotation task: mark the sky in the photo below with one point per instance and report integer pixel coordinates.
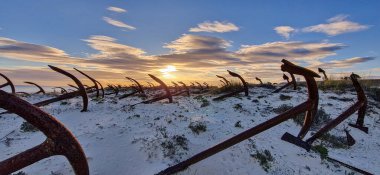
(186, 40)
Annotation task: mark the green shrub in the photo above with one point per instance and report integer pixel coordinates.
(323, 152)
(334, 141)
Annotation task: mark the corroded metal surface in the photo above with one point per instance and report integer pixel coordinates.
(60, 141)
(167, 94)
(139, 89)
(225, 80)
(258, 79)
(41, 90)
(93, 81)
(8, 83)
(81, 92)
(287, 84)
(320, 70)
(186, 90)
(310, 106)
(360, 106)
(245, 88)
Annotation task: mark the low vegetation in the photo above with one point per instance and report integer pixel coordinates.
(321, 150)
(204, 102)
(198, 127)
(265, 159)
(174, 146)
(27, 127)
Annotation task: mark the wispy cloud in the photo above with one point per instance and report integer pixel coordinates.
(195, 43)
(336, 25)
(343, 63)
(294, 50)
(118, 23)
(215, 26)
(285, 31)
(116, 9)
(14, 49)
(192, 55)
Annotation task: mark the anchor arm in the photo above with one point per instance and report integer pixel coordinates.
(9, 82)
(41, 90)
(60, 141)
(92, 79)
(81, 90)
(245, 85)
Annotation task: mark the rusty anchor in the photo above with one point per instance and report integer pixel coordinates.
(360, 106)
(80, 92)
(244, 89)
(151, 85)
(258, 79)
(76, 88)
(186, 90)
(310, 106)
(225, 81)
(139, 89)
(60, 141)
(115, 89)
(320, 70)
(287, 84)
(167, 94)
(96, 87)
(199, 85)
(101, 87)
(69, 95)
(176, 87)
(8, 83)
(206, 84)
(41, 90)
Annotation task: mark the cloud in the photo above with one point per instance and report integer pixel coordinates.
(344, 63)
(193, 56)
(216, 26)
(108, 48)
(194, 43)
(118, 23)
(285, 31)
(293, 50)
(116, 9)
(10, 48)
(336, 25)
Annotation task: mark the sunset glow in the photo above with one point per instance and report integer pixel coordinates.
(113, 39)
(167, 72)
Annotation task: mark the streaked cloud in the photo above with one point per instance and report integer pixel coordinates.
(293, 50)
(336, 25)
(109, 48)
(193, 56)
(118, 23)
(116, 9)
(10, 48)
(285, 31)
(215, 26)
(194, 43)
(344, 63)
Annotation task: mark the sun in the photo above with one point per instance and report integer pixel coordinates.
(166, 73)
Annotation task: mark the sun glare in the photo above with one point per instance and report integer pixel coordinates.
(166, 73)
